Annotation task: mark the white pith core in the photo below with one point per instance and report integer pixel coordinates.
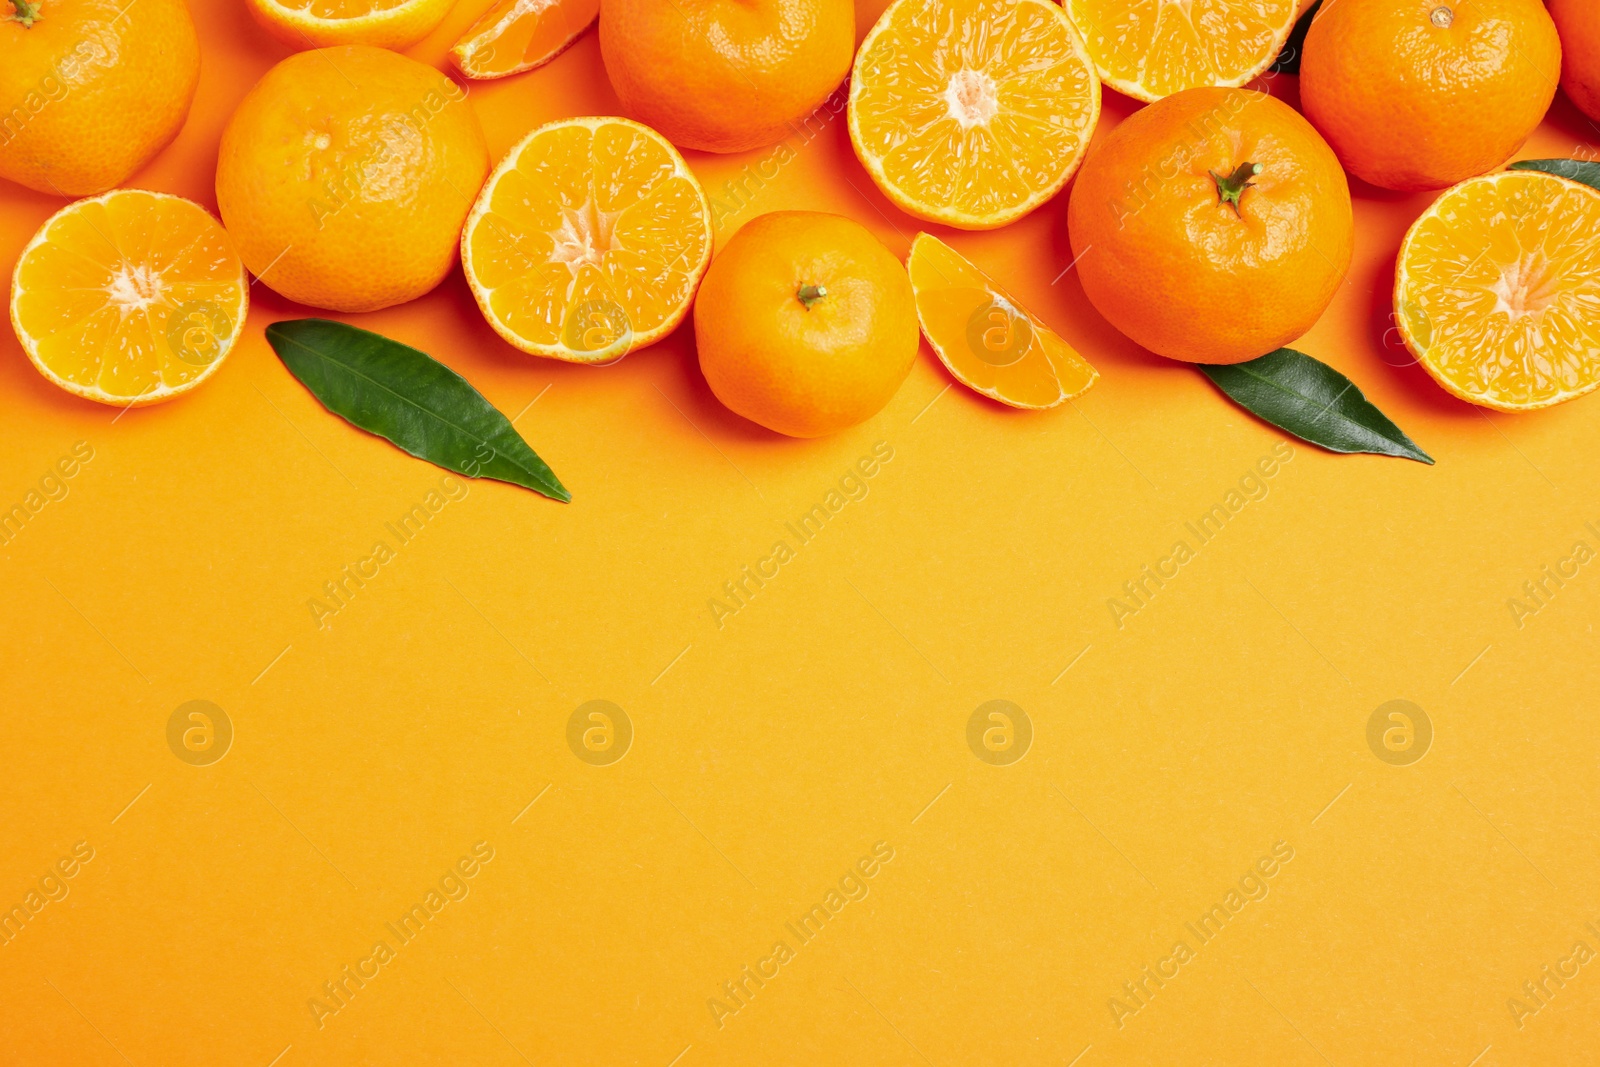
(1526, 287)
(584, 237)
(971, 98)
(134, 288)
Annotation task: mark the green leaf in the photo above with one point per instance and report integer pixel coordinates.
(410, 398)
(1312, 401)
(1288, 61)
(1577, 169)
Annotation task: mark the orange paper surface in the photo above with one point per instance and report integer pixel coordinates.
(818, 765)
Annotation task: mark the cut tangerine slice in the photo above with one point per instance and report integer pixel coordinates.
(129, 298)
(1497, 290)
(972, 112)
(518, 35)
(588, 241)
(325, 23)
(1148, 49)
(985, 338)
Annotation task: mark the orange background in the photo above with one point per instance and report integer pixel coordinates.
(830, 713)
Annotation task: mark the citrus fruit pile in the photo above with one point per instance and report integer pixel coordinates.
(1212, 225)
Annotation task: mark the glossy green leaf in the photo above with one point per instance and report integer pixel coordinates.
(411, 399)
(1578, 170)
(1312, 401)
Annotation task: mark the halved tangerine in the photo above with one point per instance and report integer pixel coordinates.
(985, 338)
(518, 35)
(972, 112)
(1497, 290)
(129, 298)
(588, 241)
(1149, 49)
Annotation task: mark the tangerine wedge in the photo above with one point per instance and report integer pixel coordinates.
(972, 112)
(518, 35)
(129, 298)
(1149, 49)
(1497, 290)
(985, 338)
(588, 241)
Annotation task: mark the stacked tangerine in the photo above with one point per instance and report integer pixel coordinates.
(1213, 225)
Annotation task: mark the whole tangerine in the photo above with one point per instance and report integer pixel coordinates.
(1578, 23)
(1420, 94)
(346, 174)
(805, 323)
(91, 90)
(726, 75)
(1212, 226)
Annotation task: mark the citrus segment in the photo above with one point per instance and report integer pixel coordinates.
(985, 338)
(129, 298)
(518, 35)
(323, 23)
(1148, 49)
(1497, 290)
(588, 241)
(972, 112)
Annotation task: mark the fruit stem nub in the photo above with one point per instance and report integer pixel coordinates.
(1231, 187)
(810, 294)
(27, 12)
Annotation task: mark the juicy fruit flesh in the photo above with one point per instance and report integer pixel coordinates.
(978, 108)
(603, 224)
(985, 339)
(1499, 290)
(340, 9)
(1153, 48)
(517, 35)
(130, 296)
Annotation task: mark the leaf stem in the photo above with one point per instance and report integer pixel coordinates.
(810, 294)
(27, 12)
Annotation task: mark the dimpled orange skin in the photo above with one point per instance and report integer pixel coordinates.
(345, 177)
(726, 75)
(1421, 94)
(92, 91)
(805, 372)
(1578, 23)
(1176, 269)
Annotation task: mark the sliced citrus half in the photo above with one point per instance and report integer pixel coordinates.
(985, 338)
(1148, 49)
(1497, 290)
(129, 298)
(972, 112)
(518, 35)
(588, 241)
(325, 23)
